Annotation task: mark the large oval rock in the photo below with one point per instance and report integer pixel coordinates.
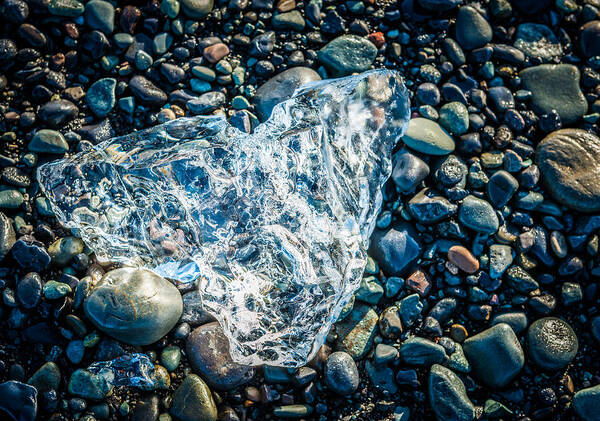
(585, 403)
(135, 306)
(569, 162)
(472, 30)
(555, 87)
(208, 352)
(281, 87)
(448, 395)
(551, 343)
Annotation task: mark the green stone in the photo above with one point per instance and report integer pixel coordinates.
(192, 401)
(347, 54)
(357, 331)
(196, 9)
(48, 141)
(64, 249)
(42, 204)
(87, 385)
(11, 199)
(100, 15)
(162, 42)
(448, 396)
(428, 137)
(204, 73)
(47, 377)
(170, 357)
(54, 290)
(100, 97)
(292, 20)
(240, 103)
(585, 403)
(170, 8)
(454, 117)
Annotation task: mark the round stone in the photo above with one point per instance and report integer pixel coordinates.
(135, 306)
(590, 38)
(551, 343)
(478, 215)
(208, 352)
(29, 290)
(472, 29)
(341, 374)
(56, 113)
(495, 355)
(192, 401)
(555, 87)
(448, 395)
(281, 87)
(100, 97)
(347, 54)
(408, 170)
(569, 163)
(428, 137)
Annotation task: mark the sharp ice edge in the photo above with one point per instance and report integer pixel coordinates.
(274, 224)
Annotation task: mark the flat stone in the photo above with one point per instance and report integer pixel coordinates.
(472, 29)
(281, 87)
(58, 112)
(501, 187)
(146, 91)
(291, 20)
(495, 355)
(347, 54)
(196, 9)
(551, 343)
(341, 374)
(48, 141)
(501, 257)
(422, 352)
(585, 403)
(101, 97)
(47, 377)
(208, 352)
(448, 396)
(357, 331)
(18, 401)
(192, 401)
(135, 306)
(100, 15)
(216, 52)
(478, 215)
(395, 249)
(408, 170)
(428, 137)
(463, 259)
(555, 87)
(569, 163)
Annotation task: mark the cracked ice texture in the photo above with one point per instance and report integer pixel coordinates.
(274, 225)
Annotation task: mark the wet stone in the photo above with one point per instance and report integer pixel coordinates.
(422, 352)
(341, 374)
(357, 331)
(56, 113)
(428, 137)
(585, 403)
(7, 235)
(590, 38)
(18, 400)
(472, 29)
(196, 9)
(551, 343)
(347, 54)
(428, 207)
(30, 254)
(146, 91)
(193, 401)
(100, 97)
(478, 215)
(208, 352)
(408, 170)
(538, 40)
(501, 187)
(395, 249)
(448, 396)
(100, 15)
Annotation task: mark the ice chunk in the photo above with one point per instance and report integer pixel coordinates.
(127, 370)
(273, 224)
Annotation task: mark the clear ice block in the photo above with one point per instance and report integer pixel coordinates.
(274, 225)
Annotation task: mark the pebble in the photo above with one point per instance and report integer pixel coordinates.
(281, 87)
(58, 112)
(422, 352)
(585, 403)
(440, 5)
(357, 331)
(537, 40)
(427, 207)
(196, 9)
(501, 98)
(207, 349)
(590, 38)
(463, 259)
(454, 117)
(551, 343)
(146, 91)
(30, 254)
(100, 15)
(66, 8)
(7, 235)
(134, 306)
(395, 249)
(501, 187)
(569, 163)
(495, 355)
(448, 395)
(29, 290)
(428, 137)
(193, 311)
(472, 29)
(341, 374)
(347, 54)
(47, 377)
(292, 411)
(100, 96)
(501, 257)
(18, 400)
(216, 52)
(408, 170)
(478, 215)
(555, 87)
(54, 290)
(291, 20)
(64, 249)
(88, 385)
(206, 103)
(192, 401)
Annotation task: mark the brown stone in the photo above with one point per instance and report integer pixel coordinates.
(463, 259)
(215, 52)
(418, 281)
(129, 18)
(286, 5)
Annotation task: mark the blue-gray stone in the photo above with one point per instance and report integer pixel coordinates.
(440, 5)
(495, 355)
(347, 54)
(501, 187)
(421, 351)
(100, 15)
(585, 403)
(501, 98)
(146, 91)
(408, 170)
(501, 257)
(381, 377)
(410, 309)
(18, 401)
(551, 343)
(517, 320)
(448, 396)
(472, 29)
(100, 97)
(341, 374)
(428, 207)
(454, 117)
(395, 249)
(478, 215)
(537, 40)
(428, 137)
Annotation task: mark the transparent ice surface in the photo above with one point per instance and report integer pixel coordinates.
(274, 224)
(127, 370)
